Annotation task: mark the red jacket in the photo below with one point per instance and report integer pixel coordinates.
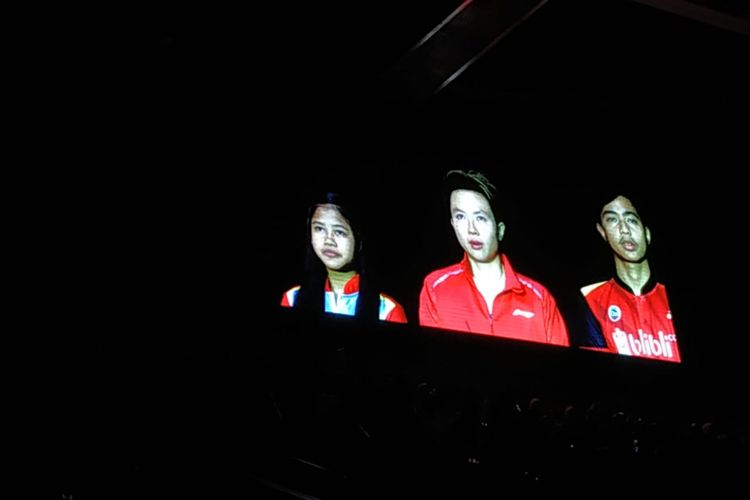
(634, 325)
(524, 310)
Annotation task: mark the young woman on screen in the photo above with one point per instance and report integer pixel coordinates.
(483, 293)
(336, 280)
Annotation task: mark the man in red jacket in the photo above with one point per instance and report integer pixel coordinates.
(632, 308)
(482, 293)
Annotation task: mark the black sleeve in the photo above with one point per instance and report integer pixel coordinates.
(584, 328)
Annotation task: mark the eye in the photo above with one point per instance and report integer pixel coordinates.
(481, 218)
(610, 219)
(317, 229)
(340, 233)
(458, 216)
(633, 221)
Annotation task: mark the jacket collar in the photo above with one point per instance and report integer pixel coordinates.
(351, 286)
(648, 287)
(511, 279)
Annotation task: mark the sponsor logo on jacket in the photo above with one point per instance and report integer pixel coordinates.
(644, 344)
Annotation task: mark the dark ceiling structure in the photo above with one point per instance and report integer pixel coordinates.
(358, 44)
(412, 70)
(573, 39)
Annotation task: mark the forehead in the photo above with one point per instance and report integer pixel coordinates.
(620, 205)
(467, 200)
(329, 213)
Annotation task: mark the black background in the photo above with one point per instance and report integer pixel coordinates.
(209, 130)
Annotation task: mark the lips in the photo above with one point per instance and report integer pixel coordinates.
(629, 245)
(331, 254)
(476, 245)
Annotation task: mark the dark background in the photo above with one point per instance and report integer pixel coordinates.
(210, 129)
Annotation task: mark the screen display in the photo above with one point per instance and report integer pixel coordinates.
(467, 247)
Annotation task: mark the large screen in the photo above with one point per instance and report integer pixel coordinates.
(479, 248)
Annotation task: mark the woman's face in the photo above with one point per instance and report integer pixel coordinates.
(332, 237)
(474, 224)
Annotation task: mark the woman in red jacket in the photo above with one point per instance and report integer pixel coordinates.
(483, 293)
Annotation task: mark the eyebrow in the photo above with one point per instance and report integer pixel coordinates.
(480, 211)
(335, 226)
(625, 213)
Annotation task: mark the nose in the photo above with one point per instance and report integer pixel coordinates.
(329, 239)
(472, 227)
(623, 227)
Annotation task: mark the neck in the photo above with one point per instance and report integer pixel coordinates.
(339, 278)
(488, 270)
(489, 278)
(634, 274)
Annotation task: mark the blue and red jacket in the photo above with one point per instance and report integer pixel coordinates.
(523, 310)
(634, 325)
(390, 310)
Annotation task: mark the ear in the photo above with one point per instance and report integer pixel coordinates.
(601, 231)
(648, 236)
(500, 231)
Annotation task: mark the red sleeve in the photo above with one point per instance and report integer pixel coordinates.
(427, 311)
(397, 315)
(287, 300)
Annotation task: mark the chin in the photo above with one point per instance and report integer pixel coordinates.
(478, 257)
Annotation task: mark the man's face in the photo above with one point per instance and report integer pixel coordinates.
(621, 227)
(474, 223)
(332, 237)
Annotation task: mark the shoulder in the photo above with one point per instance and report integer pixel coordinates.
(533, 285)
(660, 289)
(388, 300)
(522, 283)
(440, 276)
(588, 289)
(290, 295)
(390, 306)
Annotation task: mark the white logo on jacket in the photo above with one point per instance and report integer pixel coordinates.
(645, 344)
(525, 314)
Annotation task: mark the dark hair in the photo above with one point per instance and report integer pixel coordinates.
(310, 297)
(606, 197)
(471, 180)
